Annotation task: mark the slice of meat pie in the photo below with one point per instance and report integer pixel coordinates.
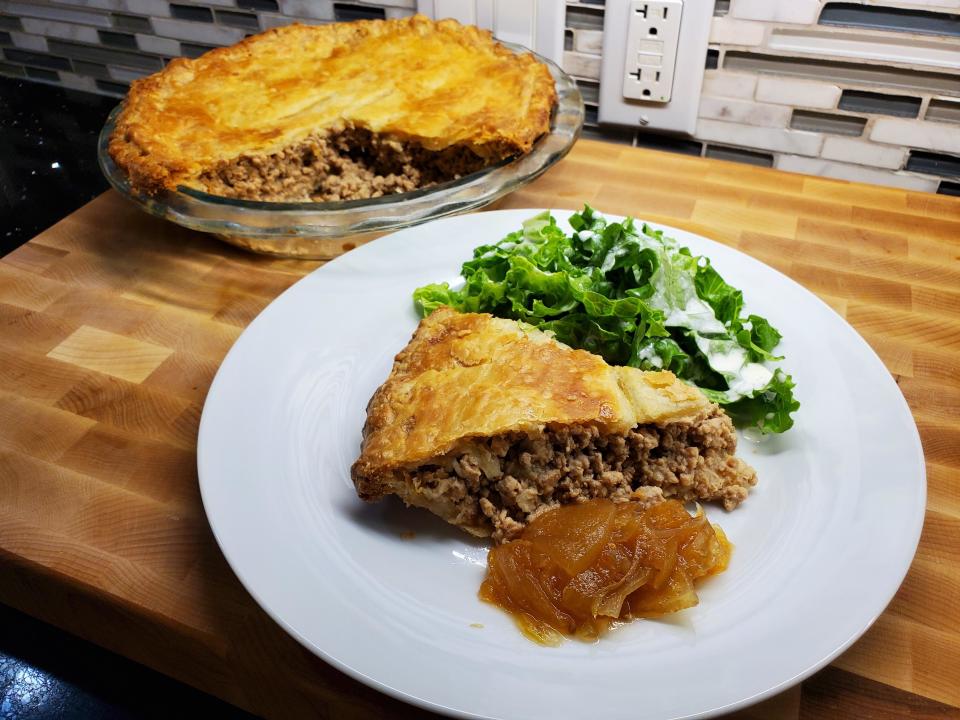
(486, 422)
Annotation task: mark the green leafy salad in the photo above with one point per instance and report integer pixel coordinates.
(634, 297)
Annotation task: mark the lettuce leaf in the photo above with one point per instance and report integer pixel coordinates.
(635, 298)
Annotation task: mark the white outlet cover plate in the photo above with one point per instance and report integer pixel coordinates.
(679, 114)
(652, 45)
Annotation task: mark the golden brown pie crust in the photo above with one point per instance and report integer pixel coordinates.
(436, 85)
(469, 375)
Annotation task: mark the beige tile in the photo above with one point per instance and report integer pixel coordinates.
(728, 31)
(198, 32)
(781, 140)
(159, 45)
(268, 21)
(797, 93)
(38, 10)
(939, 137)
(109, 353)
(65, 31)
(77, 82)
(855, 173)
(863, 153)
(126, 75)
(588, 41)
(943, 109)
(29, 42)
(153, 8)
(886, 47)
(786, 11)
(307, 9)
(585, 66)
(745, 112)
(719, 83)
(953, 4)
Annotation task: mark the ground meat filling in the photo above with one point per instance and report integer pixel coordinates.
(502, 482)
(349, 164)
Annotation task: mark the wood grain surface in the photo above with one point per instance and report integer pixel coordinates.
(113, 323)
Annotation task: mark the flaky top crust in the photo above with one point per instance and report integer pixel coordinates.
(439, 84)
(468, 375)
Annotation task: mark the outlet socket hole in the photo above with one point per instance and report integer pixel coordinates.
(653, 31)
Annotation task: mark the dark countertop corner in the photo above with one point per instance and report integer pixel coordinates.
(48, 155)
(46, 674)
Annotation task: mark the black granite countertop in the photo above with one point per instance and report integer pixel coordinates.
(48, 156)
(48, 168)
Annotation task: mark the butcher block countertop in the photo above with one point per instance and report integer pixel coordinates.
(113, 324)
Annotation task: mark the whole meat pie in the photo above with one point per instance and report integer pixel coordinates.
(333, 112)
(486, 423)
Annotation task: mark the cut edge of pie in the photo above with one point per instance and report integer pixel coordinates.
(333, 112)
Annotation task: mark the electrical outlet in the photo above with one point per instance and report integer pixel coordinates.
(631, 53)
(653, 34)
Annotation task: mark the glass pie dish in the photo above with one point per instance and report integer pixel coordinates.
(323, 230)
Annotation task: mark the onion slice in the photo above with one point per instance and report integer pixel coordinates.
(576, 569)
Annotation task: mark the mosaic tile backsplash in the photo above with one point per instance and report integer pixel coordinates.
(866, 91)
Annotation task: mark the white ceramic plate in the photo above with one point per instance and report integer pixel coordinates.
(820, 546)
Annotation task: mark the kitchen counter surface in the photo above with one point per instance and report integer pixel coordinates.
(113, 323)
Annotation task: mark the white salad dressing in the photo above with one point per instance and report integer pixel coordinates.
(676, 295)
(725, 357)
(753, 377)
(650, 355)
(678, 298)
(697, 316)
(730, 360)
